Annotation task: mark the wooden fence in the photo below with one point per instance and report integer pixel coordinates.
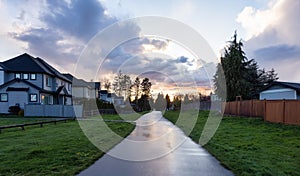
(278, 111)
(41, 124)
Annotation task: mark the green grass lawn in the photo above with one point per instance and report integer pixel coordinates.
(249, 146)
(60, 149)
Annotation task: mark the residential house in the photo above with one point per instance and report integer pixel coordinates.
(281, 90)
(110, 97)
(82, 89)
(30, 80)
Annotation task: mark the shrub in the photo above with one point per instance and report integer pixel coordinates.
(14, 110)
(21, 113)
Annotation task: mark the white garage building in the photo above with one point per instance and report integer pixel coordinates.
(281, 90)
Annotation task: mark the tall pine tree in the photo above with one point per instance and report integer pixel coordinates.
(238, 76)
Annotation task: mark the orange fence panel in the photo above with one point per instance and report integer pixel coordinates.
(274, 111)
(292, 112)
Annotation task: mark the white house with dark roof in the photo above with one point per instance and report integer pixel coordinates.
(30, 80)
(281, 90)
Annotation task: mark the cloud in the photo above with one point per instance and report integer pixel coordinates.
(64, 30)
(65, 27)
(255, 21)
(274, 37)
(82, 19)
(278, 52)
(156, 43)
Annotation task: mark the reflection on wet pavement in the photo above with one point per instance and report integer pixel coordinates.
(156, 147)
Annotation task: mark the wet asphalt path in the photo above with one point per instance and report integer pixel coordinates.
(159, 148)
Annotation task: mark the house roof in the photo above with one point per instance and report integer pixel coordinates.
(69, 76)
(62, 88)
(295, 86)
(82, 83)
(95, 85)
(27, 63)
(103, 92)
(25, 89)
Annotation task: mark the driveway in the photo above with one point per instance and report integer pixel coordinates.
(156, 147)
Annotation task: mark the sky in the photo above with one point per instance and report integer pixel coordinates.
(59, 31)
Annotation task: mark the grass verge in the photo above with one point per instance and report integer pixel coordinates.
(249, 146)
(60, 149)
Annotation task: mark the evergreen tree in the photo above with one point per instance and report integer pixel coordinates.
(168, 102)
(146, 87)
(177, 102)
(135, 89)
(238, 76)
(143, 102)
(160, 102)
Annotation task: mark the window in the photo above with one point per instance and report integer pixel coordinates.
(25, 76)
(18, 75)
(33, 97)
(4, 97)
(33, 76)
(48, 81)
(46, 99)
(69, 87)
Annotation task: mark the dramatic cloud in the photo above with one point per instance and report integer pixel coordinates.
(82, 19)
(274, 37)
(278, 52)
(64, 30)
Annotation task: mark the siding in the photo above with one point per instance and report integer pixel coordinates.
(1, 76)
(80, 92)
(38, 82)
(16, 96)
(4, 107)
(278, 94)
(45, 87)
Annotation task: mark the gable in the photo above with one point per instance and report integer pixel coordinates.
(282, 85)
(22, 63)
(62, 90)
(17, 83)
(25, 63)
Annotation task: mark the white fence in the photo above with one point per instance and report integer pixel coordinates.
(53, 110)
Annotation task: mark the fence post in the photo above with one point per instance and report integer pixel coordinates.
(251, 109)
(265, 109)
(239, 108)
(283, 116)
